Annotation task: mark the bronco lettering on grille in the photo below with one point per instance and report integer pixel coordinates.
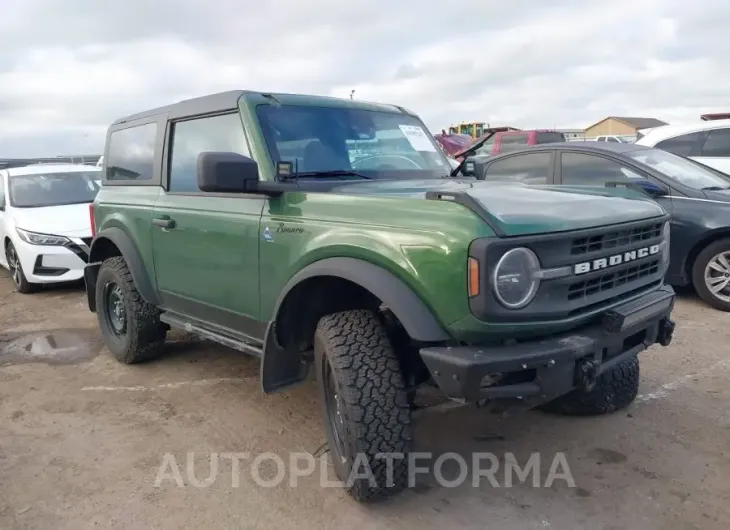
(616, 259)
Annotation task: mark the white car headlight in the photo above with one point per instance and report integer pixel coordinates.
(515, 278)
(34, 238)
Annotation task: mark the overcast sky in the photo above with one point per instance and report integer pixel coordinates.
(70, 67)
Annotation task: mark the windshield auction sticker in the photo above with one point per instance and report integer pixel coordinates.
(417, 137)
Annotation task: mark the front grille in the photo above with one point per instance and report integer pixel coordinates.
(607, 264)
(615, 239)
(611, 281)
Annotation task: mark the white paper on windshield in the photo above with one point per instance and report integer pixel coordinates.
(417, 137)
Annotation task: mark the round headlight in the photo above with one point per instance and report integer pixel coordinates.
(515, 284)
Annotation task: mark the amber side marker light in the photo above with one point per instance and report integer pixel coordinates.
(473, 277)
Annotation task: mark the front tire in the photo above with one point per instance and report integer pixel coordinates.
(614, 390)
(711, 274)
(364, 404)
(130, 326)
(22, 285)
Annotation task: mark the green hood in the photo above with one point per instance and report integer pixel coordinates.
(518, 209)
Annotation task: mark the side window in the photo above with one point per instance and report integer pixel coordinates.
(192, 137)
(132, 153)
(681, 145)
(590, 170)
(510, 142)
(717, 143)
(533, 168)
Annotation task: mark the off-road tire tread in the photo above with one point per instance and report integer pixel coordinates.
(614, 390)
(378, 414)
(698, 273)
(145, 330)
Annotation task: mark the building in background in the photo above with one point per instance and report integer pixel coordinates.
(621, 126)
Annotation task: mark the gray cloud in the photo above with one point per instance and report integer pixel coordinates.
(67, 69)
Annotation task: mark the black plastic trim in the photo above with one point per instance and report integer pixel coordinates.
(76, 249)
(469, 202)
(222, 335)
(416, 317)
(245, 328)
(280, 369)
(549, 304)
(91, 273)
(131, 256)
(40, 270)
(548, 365)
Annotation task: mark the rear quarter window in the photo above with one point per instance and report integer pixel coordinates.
(510, 142)
(550, 137)
(131, 153)
(684, 145)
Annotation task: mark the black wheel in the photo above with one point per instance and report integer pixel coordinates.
(614, 390)
(130, 327)
(22, 285)
(711, 274)
(364, 404)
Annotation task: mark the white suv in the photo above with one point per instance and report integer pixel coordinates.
(45, 226)
(707, 142)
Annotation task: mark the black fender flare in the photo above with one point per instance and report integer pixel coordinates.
(416, 317)
(124, 242)
(279, 370)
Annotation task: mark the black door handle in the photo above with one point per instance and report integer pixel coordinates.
(164, 222)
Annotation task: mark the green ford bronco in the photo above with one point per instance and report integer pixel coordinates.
(334, 235)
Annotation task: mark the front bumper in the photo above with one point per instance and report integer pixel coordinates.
(52, 264)
(535, 372)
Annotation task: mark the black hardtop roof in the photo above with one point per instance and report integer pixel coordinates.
(223, 101)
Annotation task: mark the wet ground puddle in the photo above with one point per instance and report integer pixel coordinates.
(61, 346)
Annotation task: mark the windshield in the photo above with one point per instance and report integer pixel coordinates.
(54, 189)
(373, 143)
(683, 170)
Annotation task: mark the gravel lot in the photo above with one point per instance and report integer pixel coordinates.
(82, 439)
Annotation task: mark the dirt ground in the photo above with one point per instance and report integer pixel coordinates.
(82, 439)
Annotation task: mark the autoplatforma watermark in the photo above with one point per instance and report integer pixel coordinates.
(449, 470)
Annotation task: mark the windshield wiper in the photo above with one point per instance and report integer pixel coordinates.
(332, 173)
(470, 151)
(715, 188)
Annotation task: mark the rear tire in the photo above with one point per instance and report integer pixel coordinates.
(22, 285)
(706, 274)
(364, 404)
(130, 326)
(614, 390)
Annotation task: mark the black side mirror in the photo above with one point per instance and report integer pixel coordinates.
(227, 173)
(469, 168)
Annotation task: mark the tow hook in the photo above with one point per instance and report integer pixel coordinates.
(586, 374)
(666, 331)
